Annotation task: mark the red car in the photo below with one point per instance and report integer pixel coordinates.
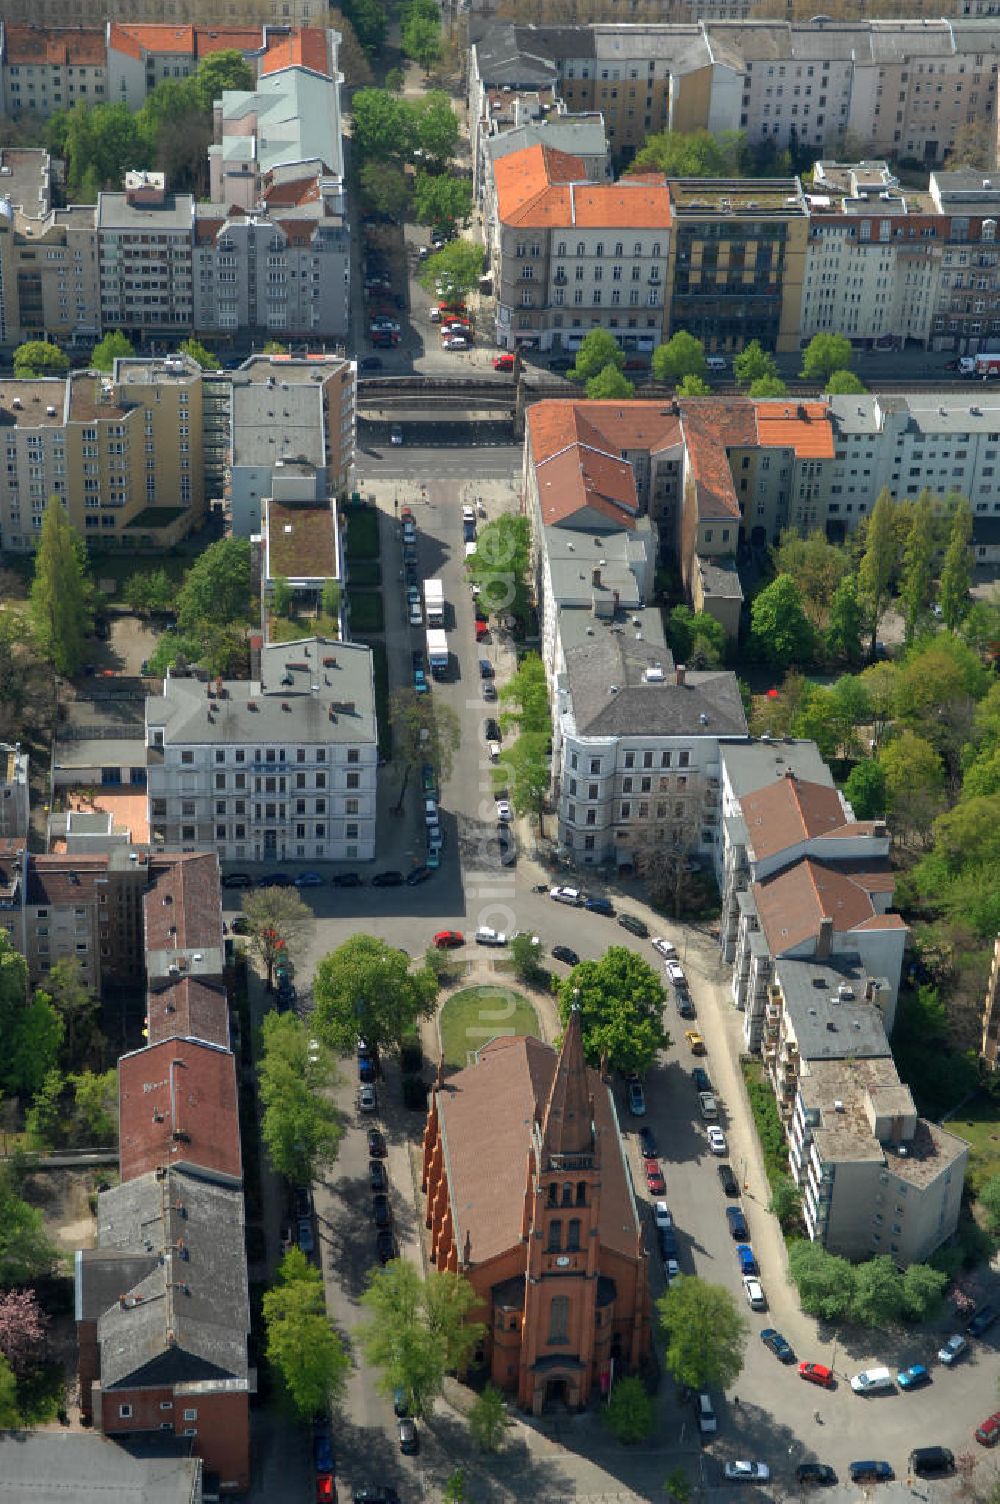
(326, 1489)
(482, 630)
(988, 1434)
(406, 515)
(816, 1373)
(654, 1178)
(503, 363)
(449, 939)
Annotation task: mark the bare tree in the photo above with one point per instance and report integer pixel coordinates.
(278, 922)
(664, 842)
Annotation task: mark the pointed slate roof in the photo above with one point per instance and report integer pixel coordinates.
(567, 1126)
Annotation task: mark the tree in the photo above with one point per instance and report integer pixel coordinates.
(830, 716)
(989, 1201)
(922, 1291)
(385, 188)
(914, 780)
(457, 265)
(197, 352)
(96, 1102)
(878, 562)
(681, 356)
(281, 596)
(865, 790)
(609, 385)
(418, 1329)
(22, 1330)
(114, 346)
(395, 80)
(878, 1293)
(525, 959)
(366, 987)
(526, 696)
(824, 354)
(499, 566)
(421, 38)
(149, 593)
(786, 1202)
(44, 1121)
(381, 124)
(780, 627)
(439, 199)
(488, 1419)
(693, 386)
(815, 564)
(278, 923)
(32, 1048)
(956, 572)
(525, 772)
(705, 1333)
(217, 587)
(78, 1008)
(37, 357)
(300, 1126)
(330, 598)
(844, 384)
(598, 349)
(59, 608)
(10, 1414)
(629, 1413)
(424, 729)
(824, 1281)
(435, 126)
(692, 154)
(678, 1485)
(696, 638)
(753, 364)
(219, 72)
(768, 386)
(302, 1346)
(26, 1253)
(620, 998)
(918, 560)
(845, 622)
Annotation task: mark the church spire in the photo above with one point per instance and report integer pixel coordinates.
(567, 1124)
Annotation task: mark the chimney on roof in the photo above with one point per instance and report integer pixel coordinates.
(824, 940)
(680, 673)
(595, 577)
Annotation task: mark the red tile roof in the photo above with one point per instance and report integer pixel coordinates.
(55, 45)
(789, 811)
(791, 904)
(305, 48)
(178, 1106)
(710, 426)
(542, 186)
(183, 910)
(245, 39)
(139, 41)
(188, 1008)
(806, 427)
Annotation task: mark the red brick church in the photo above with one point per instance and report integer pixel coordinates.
(529, 1196)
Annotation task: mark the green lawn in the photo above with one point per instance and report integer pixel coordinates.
(362, 533)
(292, 628)
(366, 574)
(978, 1122)
(477, 1014)
(380, 674)
(367, 611)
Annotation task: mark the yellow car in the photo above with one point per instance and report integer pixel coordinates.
(695, 1041)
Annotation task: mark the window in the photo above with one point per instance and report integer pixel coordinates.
(555, 1235)
(187, 757)
(559, 1319)
(573, 1235)
(125, 1412)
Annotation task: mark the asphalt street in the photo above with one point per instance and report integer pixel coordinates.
(561, 1457)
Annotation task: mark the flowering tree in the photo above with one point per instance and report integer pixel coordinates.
(22, 1330)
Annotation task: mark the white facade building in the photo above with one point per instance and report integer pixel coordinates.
(281, 767)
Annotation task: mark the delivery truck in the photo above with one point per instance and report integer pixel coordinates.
(985, 365)
(434, 602)
(437, 651)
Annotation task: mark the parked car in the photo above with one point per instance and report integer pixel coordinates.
(633, 925)
(716, 1139)
(647, 1143)
(385, 1249)
(730, 1185)
(323, 1449)
(347, 880)
(931, 1462)
(368, 1099)
(700, 1078)
(781, 1349)
(952, 1350)
(503, 363)
(448, 939)
(305, 1236)
(309, 880)
(675, 974)
(988, 1432)
(816, 1373)
(707, 1423)
(420, 684)
(745, 1256)
(746, 1472)
(695, 1042)
(738, 1228)
(871, 1472)
(662, 1215)
(381, 1211)
(409, 1436)
(489, 690)
(237, 880)
(655, 1183)
(982, 1321)
(486, 936)
(571, 896)
(431, 812)
(815, 1474)
(566, 955)
(913, 1377)
(376, 1143)
(685, 1007)
(485, 669)
(456, 342)
(636, 1100)
(754, 1292)
(602, 906)
(390, 879)
(872, 1381)
(370, 365)
(707, 1105)
(417, 875)
(665, 947)
(504, 811)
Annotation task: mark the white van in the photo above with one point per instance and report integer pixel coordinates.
(871, 1380)
(715, 362)
(707, 1423)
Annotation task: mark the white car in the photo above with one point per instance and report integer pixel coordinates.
(456, 342)
(675, 974)
(493, 748)
(503, 811)
(665, 948)
(661, 1214)
(671, 1270)
(485, 936)
(754, 1291)
(707, 1104)
(747, 1472)
(716, 1139)
(313, 1051)
(435, 315)
(567, 895)
(468, 514)
(416, 615)
(430, 812)
(435, 838)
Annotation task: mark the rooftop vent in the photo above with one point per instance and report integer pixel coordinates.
(838, 1105)
(845, 993)
(654, 674)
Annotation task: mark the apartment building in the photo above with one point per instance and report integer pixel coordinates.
(966, 314)
(279, 767)
(737, 261)
(141, 56)
(875, 1177)
(122, 453)
(144, 240)
(44, 69)
(49, 282)
(571, 255)
(289, 412)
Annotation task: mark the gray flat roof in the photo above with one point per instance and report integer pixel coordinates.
(283, 421)
(102, 752)
(297, 114)
(114, 212)
(50, 1467)
(753, 765)
(828, 1024)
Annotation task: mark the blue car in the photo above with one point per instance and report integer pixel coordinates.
(600, 906)
(420, 681)
(913, 1377)
(322, 1450)
(310, 880)
(748, 1264)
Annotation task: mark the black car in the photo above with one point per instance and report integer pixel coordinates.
(738, 1228)
(562, 363)
(491, 729)
(602, 906)
(370, 365)
(489, 690)
(633, 925)
(647, 1142)
(563, 953)
(387, 880)
(381, 1211)
(237, 880)
(982, 1321)
(729, 1182)
(668, 1242)
(418, 875)
(685, 1007)
(485, 669)
(376, 1143)
(303, 1201)
(377, 1178)
(376, 1493)
(417, 658)
(277, 880)
(815, 1474)
(347, 880)
(385, 1246)
(779, 1347)
(931, 1462)
(871, 1472)
(700, 1078)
